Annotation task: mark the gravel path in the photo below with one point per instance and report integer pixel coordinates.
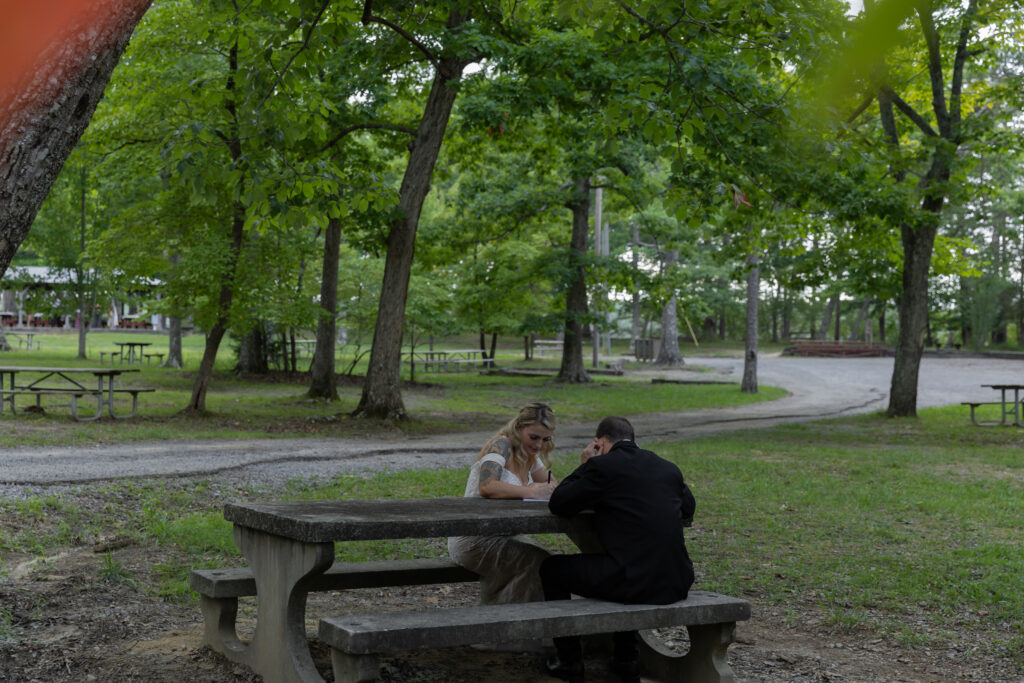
(818, 387)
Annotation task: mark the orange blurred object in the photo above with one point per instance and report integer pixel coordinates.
(29, 28)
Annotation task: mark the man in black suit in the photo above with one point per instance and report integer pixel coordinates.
(641, 505)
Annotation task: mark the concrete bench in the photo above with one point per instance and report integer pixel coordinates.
(974, 405)
(219, 589)
(356, 642)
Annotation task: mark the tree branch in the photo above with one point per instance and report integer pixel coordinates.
(959, 59)
(369, 17)
(279, 75)
(931, 39)
(364, 126)
(861, 107)
(909, 111)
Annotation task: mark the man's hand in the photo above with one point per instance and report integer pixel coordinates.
(593, 448)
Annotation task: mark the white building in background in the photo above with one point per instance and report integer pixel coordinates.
(20, 284)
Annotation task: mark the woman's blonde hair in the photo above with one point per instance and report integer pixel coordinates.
(530, 414)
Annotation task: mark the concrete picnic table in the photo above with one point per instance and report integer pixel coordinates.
(288, 544)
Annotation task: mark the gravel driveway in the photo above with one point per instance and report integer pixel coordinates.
(818, 387)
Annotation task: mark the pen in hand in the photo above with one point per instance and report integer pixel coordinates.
(549, 476)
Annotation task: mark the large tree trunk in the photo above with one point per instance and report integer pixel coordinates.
(669, 353)
(173, 344)
(323, 381)
(749, 383)
(252, 351)
(382, 396)
(572, 369)
(913, 315)
(47, 100)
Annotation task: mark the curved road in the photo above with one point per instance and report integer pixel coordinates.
(818, 387)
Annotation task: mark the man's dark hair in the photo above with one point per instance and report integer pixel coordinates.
(615, 429)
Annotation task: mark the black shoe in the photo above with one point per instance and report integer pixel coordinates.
(628, 670)
(567, 671)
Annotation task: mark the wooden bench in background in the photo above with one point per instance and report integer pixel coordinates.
(831, 348)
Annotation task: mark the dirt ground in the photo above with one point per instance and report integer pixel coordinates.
(64, 620)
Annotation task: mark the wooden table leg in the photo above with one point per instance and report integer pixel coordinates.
(279, 650)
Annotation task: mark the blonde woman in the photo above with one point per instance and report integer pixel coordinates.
(514, 463)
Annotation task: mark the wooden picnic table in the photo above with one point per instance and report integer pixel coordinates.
(1009, 407)
(65, 382)
(448, 360)
(289, 544)
(134, 352)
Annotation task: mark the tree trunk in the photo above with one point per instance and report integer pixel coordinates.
(173, 344)
(382, 396)
(669, 354)
(913, 315)
(48, 100)
(572, 369)
(749, 383)
(252, 351)
(826, 320)
(323, 380)
(862, 317)
(197, 402)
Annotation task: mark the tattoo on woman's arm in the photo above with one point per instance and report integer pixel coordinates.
(490, 470)
(503, 446)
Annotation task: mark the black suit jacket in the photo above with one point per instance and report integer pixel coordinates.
(641, 504)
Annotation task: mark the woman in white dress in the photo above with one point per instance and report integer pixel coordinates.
(514, 463)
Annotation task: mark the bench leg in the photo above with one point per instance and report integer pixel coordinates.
(86, 418)
(135, 407)
(985, 424)
(219, 615)
(282, 569)
(354, 668)
(705, 662)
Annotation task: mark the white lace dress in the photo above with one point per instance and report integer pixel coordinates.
(508, 565)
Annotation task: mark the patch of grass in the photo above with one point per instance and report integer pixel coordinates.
(113, 571)
(276, 406)
(7, 632)
(863, 515)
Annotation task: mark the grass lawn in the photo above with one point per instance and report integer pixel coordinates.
(276, 405)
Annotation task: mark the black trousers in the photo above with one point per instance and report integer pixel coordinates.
(589, 576)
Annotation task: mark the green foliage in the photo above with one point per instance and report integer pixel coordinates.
(113, 571)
